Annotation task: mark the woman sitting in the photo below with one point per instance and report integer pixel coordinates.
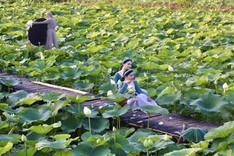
(129, 85)
(126, 64)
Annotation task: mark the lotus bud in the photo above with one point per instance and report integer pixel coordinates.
(87, 111)
(148, 143)
(114, 129)
(29, 23)
(112, 82)
(41, 56)
(109, 93)
(98, 141)
(23, 138)
(170, 68)
(119, 82)
(130, 89)
(225, 86)
(166, 137)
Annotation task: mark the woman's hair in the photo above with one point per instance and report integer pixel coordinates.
(126, 60)
(126, 73)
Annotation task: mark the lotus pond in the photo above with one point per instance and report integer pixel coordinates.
(183, 58)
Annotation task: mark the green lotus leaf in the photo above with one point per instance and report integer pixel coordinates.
(104, 88)
(97, 124)
(29, 99)
(150, 41)
(6, 148)
(88, 150)
(49, 97)
(118, 97)
(210, 102)
(229, 94)
(40, 65)
(44, 129)
(78, 99)
(220, 132)
(202, 144)
(193, 94)
(2, 95)
(121, 39)
(10, 117)
(94, 71)
(58, 144)
(170, 148)
(30, 115)
(168, 90)
(56, 106)
(61, 136)
(133, 43)
(168, 98)
(71, 124)
(149, 66)
(9, 82)
(153, 109)
(201, 80)
(75, 109)
(30, 152)
(152, 92)
(33, 137)
(123, 144)
(187, 152)
(93, 35)
(124, 131)
(222, 146)
(110, 63)
(64, 153)
(94, 49)
(139, 134)
(14, 138)
(4, 124)
(84, 86)
(4, 105)
(194, 134)
(228, 152)
(116, 111)
(14, 97)
(72, 73)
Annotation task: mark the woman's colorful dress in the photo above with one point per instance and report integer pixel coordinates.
(140, 98)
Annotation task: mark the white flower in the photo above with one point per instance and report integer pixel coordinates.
(23, 138)
(170, 68)
(112, 82)
(109, 93)
(130, 89)
(166, 137)
(114, 129)
(87, 111)
(41, 55)
(225, 86)
(29, 23)
(119, 82)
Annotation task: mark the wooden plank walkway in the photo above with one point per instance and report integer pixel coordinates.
(171, 124)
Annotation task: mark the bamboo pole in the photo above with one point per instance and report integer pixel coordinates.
(61, 88)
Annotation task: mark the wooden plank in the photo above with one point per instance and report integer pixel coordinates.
(171, 124)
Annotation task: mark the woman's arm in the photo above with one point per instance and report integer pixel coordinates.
(43, 22)
(123, 88)
(117, 77)
(138, 89)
